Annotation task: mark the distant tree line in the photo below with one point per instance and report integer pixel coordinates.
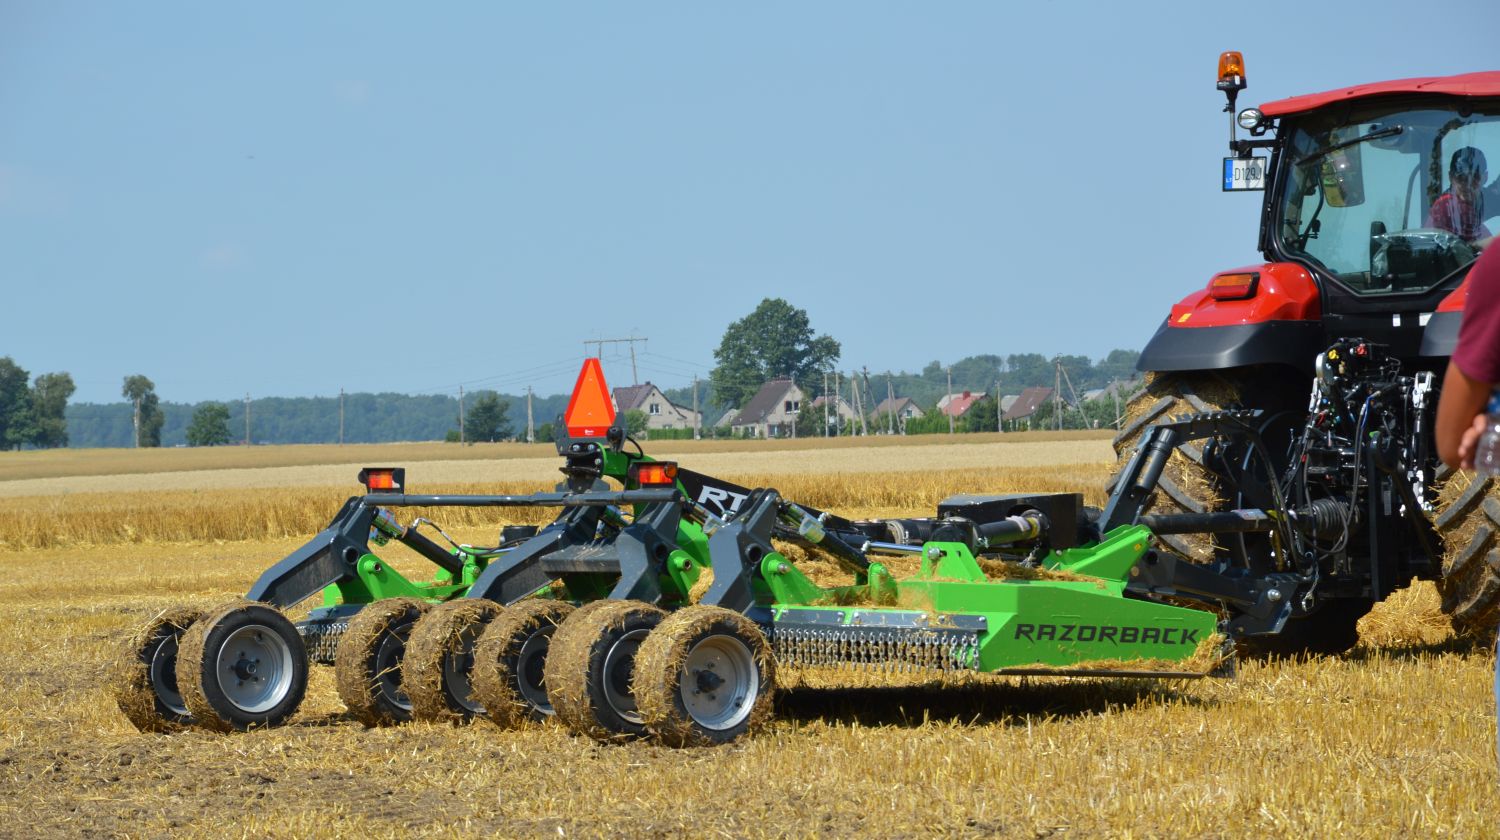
(368, 418)
(776, 340)
(32, 412)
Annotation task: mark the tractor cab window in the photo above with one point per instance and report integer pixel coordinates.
(1370, 196)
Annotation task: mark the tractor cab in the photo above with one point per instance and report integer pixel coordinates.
(1377, 199)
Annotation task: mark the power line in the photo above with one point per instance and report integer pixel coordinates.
(600, 342)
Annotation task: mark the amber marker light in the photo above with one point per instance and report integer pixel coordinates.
(1233, 286)
(1231, 70)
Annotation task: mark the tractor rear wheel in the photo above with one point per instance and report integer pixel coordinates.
(510, 660)
(1186, 485)
(367, 666)
(705, 676)
(1469, 521)
(145, 686)
(591, 663)
(440, 659)
(242, 666)
(1189, 485)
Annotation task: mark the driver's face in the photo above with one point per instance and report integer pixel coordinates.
(1466, 184)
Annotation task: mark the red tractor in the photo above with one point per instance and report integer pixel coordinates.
(1377, 200)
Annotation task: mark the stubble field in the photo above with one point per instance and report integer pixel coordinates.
(1395, 738)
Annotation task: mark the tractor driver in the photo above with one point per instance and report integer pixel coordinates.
(1461, 209)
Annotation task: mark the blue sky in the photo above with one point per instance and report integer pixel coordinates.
(288, 199)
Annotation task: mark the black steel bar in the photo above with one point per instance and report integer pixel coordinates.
(1219, 522)
(589, 499)
(1026, 526)
(444, 558)
(810, 531)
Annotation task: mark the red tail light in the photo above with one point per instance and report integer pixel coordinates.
(383, 478)
(1233, 286)
(654, 474)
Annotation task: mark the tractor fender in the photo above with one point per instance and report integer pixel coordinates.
(1440, 336)
(1278, 322)
(1291, 343)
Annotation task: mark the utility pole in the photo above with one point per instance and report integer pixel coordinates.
(1071, 390)
(890, 406)
(999, 424)
(600, 342)
(868, 395)
(1115, 388)
(825, 404)
(341, 417)
(838, 394)
(854, 396)
(461, 439)
(859, 405)
(697, 418)
(247, 419)
(135, 422)
(1057, 393)
(530, 425)
(949, 409)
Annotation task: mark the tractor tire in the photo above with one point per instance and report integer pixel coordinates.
(705, 676)
(367, 665)
(440, 659)
(145, 684)
(510, 660)
(242, 666)
(590, 666)
(1186, 486)
(1468, 519)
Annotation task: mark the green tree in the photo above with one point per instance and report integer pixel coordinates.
(15, 405)
(1119, 364)
(486, 421)
(635, 421)
(776, 340)
(49, 409)
(810, 420)
(210, 425)
(1027, 370)
(147, 415)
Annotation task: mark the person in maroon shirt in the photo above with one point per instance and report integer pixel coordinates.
(1475, 367)
(1472, 374)
(1461, 209)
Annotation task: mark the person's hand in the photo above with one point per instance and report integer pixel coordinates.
(1470, 440)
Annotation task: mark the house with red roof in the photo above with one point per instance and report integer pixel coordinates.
(956, 405)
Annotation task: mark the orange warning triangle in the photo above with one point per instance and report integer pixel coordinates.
(590, 410)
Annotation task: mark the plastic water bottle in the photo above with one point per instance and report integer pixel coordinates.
(1487, 451)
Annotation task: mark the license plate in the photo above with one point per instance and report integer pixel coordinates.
(1244, 173)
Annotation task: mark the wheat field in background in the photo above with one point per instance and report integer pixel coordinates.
(1395, 738)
